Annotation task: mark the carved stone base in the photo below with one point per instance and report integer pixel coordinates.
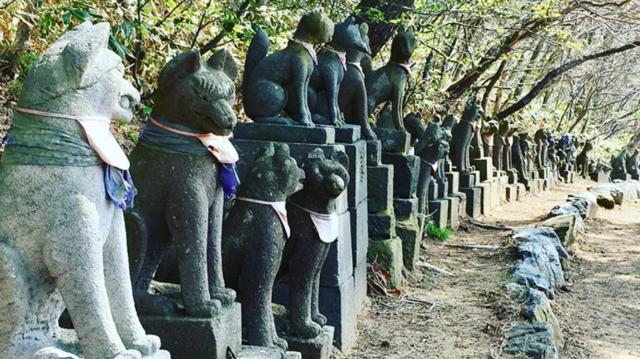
(473, 204)
(316, 348)
(252, 352)
(453, 211)
(439, 210)
(511, 193)
(188, 337)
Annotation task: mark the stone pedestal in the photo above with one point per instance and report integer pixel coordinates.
(315, 348)
(511, 193)
(337, 282)
(439, 210)
(600, 177)
(406, 171)
(457, 200)
(188, 337)
(253, 352)
(357, 195)
(484, 167)
(473, 192)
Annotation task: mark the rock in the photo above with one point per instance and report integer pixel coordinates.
(537, 309)
(564, 209)
(590, 200)
(567, 227)
(539, 267)
(610, 195)
(532, 341)
(630, 189)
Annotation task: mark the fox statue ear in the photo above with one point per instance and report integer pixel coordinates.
(341, 158)
(223, 60)
(317, 153)
(84, 42)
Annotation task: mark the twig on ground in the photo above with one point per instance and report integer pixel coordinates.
(498, 227)
(473, 246)
(429, 266)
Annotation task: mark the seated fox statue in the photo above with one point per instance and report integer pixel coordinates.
(65, 181)
(314, 227)
(184, 164)
(353, 91)
(387, 84)
(254, 236)
(270, 81)
(327, 77)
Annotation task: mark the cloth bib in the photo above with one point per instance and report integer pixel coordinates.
(162, 136)
(342, 56)
(280, 207)
(327, 225)
(99, 136)
(307, 46)
(358, 67)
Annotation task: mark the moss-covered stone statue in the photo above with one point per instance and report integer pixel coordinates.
(431, 146)
(184, 164)
(314, 227)
(619, 166)
(540, 138)
(254, 237)
(582, 160)
(518, 155)
(633, 165)
(387, 84)
(325, 83)
(63, 184)
(271, 81)
(461, 136)
(352, 98)
(488, 132)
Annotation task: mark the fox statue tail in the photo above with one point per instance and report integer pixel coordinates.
(258, 50)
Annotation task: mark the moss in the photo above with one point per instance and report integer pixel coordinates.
(440, 234)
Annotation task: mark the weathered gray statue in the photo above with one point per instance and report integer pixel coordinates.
(64, 179)
(314, 227)
(353, 91)
(582, 160)
(387, 84)
(462, 133)
(270, 81)
(184, 164)
(325, 83)
(254, 236)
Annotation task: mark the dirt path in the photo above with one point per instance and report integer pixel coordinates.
(437, 316)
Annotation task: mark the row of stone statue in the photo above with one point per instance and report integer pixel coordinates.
(65, 241)
(64, 183)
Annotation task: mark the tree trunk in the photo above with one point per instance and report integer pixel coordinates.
(529, 28)
(555, 73)
(381, 31)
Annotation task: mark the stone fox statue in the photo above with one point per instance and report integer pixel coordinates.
(254, 237)
(582, 160)
(63, 184)
(182, 165)
(314, 227)
(352, 99)
(272, 81)
(327, 77)
(387, 84)
(462, 134)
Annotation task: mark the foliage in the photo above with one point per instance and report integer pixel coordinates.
(440, 234)
(499, 49)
